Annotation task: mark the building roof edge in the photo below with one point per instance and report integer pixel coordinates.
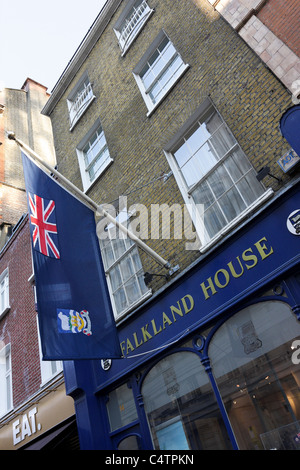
(83, 50)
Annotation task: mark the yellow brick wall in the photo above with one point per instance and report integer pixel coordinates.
(248, 96)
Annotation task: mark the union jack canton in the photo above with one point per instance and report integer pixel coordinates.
(44, 230)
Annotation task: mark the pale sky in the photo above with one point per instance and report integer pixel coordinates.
(38, 38)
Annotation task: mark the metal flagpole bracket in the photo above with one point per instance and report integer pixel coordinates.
(96, 207)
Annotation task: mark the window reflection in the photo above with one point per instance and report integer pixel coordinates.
(251, 360)
(180, 406)
(121, 407)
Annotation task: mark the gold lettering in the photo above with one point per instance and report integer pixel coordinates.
(210, 286)
(129, 347)
(226, 275)
(232, 269)
(137, 344)
(155, 330)
(262, 248)
(146, 334)
(186, 309)
(249, 257)
(176, 310)
(166, 319)
(122, 345)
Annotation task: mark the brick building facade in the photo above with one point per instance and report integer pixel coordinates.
(163, 105)
(249, 98)
(32, 391)
(270, 28)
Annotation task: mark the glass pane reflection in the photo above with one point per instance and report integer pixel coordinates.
(251, 359)
(180, 406)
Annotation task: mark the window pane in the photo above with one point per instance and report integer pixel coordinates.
(5, 380)
(219, 181)
(133, 22)
(100, 162)
(118, 246)
(120, 300)
(124, 269)
(250, 188)
(199, 164)
(197, 138)
(163, 44)
(121, 407)
(222, 141)
(136, 260)
(155, 91)
(168, 51)
(229, 188)
(129, 443)
(234, 167)
(232, 204)
(165, 79)
(181, 407)
(108, 254)
(161, 70)
(115, 277)
(132, 289)
(96, 154)
(203, 195)
(141, 282)
(214, 220)
(80, 100)
(251, 360)
(148, 79)
(127, 268)
(8, 393)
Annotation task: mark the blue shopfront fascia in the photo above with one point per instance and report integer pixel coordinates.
(264, 249)
(249, 261)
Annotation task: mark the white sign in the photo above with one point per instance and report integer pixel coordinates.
(293, 222)
(25, 426)
(288, 161)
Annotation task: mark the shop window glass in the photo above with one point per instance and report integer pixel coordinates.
(121, 407)
(180, 406)
(129, 443)
(251, 359)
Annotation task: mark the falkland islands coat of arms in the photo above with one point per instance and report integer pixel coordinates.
(70, 321)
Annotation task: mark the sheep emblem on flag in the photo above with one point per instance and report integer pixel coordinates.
(70, 321)
(42, 219)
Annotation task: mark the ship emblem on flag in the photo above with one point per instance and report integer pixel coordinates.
(42, 218)
(70, 321)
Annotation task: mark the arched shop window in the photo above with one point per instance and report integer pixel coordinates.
(181, 407)
(251, 359)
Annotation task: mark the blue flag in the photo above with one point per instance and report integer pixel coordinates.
(74, 309)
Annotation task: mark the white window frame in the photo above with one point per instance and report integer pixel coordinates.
(4, 293)
(6, 395)
(131, 249)
(133, 18)
(80, 99)
(84, 169)
(49, 369)
(165, 66)
(205, 241)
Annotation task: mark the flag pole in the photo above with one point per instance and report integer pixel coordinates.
(93, 204)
